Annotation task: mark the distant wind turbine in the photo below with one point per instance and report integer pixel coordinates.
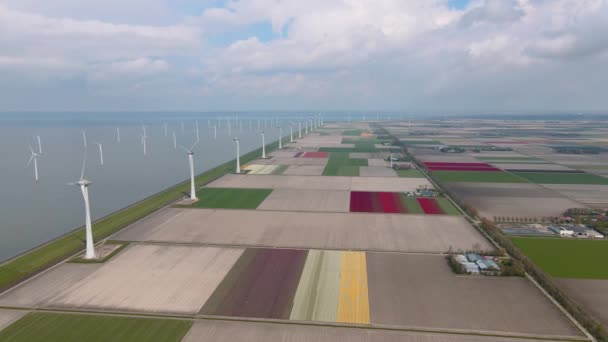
(165, 127)
(238, 157)
(280, 138)
(190, 153)
(182, 127)
(174, 140)
(299, 129)
(197, 132)
(39, 145)
(228, 127)
(144, 137)
(214, 132)
(117, 134)
(84, 188)
(34, 157)
(84, 138)
(100, 153)
(291, 131)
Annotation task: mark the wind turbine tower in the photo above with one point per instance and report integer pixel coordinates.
(84, 188)
(190, 154)
(280, 138)
(238, 158)
(291, 131)
(117, 134)
(263, 145)
(144, 138)
(299, 129)
(34, 157)
(100, 153)
(174, 140)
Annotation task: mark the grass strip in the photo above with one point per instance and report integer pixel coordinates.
(279, 170)
(477, 176)
(40, 258)
(411, 173)
(563, 178)
(412, 205)
(81, 260)
(45, 327)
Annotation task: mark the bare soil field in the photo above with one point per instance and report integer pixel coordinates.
(368, 155)
(153, 278)
(422, 291)
(591, 294)
(318, 183)
(283, 154)
(307, 200)
(7, 317)
(593, 195)
(532, 166)
(229, 331)
(386, 232)
(304, 170)
(516, 199)
(378, 162)
(443, 157)
(291, 161)
(39, 291)
(377, 171)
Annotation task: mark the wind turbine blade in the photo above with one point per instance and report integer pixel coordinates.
(30, 160)
(39, 145)
(84, 163)
(31, 150)
(185, 149)
(194, 145)
(84, 139)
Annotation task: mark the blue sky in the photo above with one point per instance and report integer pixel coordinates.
(431, 55)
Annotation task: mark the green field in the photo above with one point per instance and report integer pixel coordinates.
(477, 176)
(412, 173)
(567, 258)
(412, 205)
(510, 159)
(447, 206)
(279, 170)
(563, 178)
(420, 142)
(230, 198)
(33, 262)
(45, 327)
(339, 164)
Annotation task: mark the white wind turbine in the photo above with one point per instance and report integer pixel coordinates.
(174, 140)
(291, 124)
(280, 138)
(190, 153)
(228, 127)
(299, 129)
(165, 128)
(214, 132)
(39, 145)
(263, 145)
(144, 137)
(238, 157)
(117, 134)
(305, 127)
(34, 157)
(197, 132)
(100, 153)
(84, 184)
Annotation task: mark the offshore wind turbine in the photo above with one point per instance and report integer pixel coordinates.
(144, 137)
(84, 138)
(228, 127)
(214, 132)
(117, 134)
(174, 140)
(190, 153)
(165, 127)
(238, 157)
(84, 188)
(39, 145)
(34, 157)
(100, 153)
(263, 145)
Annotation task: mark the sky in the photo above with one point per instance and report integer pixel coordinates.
(251, 55)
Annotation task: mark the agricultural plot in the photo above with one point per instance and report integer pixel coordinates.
(388, 184)
(563, 178)
(306, 200)
(377, 162)
(230, 198)
(292, 161)
(478, 176)
(254, 169)
(590, 293)
(511, 199)
(567, 258)
(229, 331)
(591, 195)
(422, 291)
(262, 284)
(411, 173)
(340, 164)
(43, 327)
(451, 166)
(304, 170)
(539, 167)
(311, 155)
(152, 278)
(344, 231)
(7, 317)
(395, 203)
(376, 171)
(39, 291)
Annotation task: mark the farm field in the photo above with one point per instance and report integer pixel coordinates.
(421, 290)
(45, 327)
(230, 198)
(409, 173)
(563, 178)
(376, 171)
(590, 293)
(340, 164)
(152, 278)
(396, 203)
(591, 195)
(306, 200)
(344, 231)
(304, 170)
(567, 258)
(229, 331)
(477, 176)
(7, 317)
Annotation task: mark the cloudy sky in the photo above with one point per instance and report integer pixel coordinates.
(446, 55)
